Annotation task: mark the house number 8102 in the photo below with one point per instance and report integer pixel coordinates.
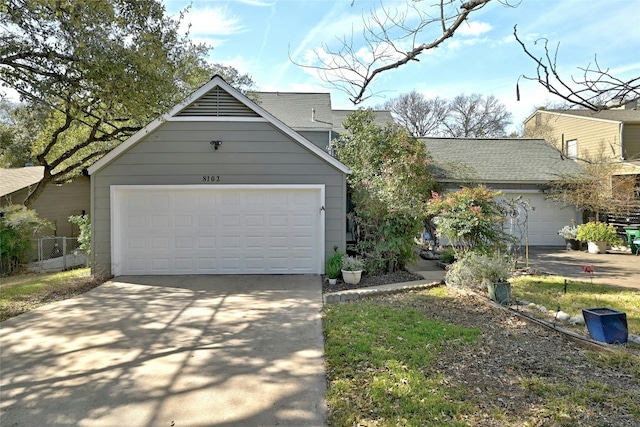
(210, 178)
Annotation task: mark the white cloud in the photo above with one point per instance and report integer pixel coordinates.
(474, 29)
(211, 21)
(256, 3)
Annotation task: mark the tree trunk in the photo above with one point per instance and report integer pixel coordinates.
(39, 188)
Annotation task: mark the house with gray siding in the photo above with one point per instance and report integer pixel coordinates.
(519, 168)
(218, 185)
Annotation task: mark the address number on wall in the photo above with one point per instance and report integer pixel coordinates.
(210, 178)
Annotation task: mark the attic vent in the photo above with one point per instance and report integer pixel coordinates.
(217, 103)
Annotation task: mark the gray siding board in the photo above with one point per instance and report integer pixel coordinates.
(220, 157)
(319, 139)
(196, 170)
(179, 153)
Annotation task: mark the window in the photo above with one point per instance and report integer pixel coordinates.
(572, 149)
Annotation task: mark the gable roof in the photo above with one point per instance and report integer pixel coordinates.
(216, 100)
(12, 180)
(614, 115)
(497, 160)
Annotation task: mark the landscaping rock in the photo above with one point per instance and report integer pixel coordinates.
(577, 320)
(561, 315)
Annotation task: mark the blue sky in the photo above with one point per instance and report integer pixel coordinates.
(258, 36)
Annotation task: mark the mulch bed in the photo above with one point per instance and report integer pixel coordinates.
(368, 281)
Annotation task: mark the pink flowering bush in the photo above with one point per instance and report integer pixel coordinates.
(471, 219)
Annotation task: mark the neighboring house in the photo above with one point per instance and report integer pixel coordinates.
(612, 135)
(56, 204)
(218, 185)
(311, 115)
(517, 167)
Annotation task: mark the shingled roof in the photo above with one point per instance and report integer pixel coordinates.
(310, 111)
(12, 180)
(507, 160)
(299, 111)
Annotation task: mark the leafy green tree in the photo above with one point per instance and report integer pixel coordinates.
(471, 219)
(390, 184)
(99, 69)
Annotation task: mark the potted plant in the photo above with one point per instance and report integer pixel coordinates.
(333, 267)
(597, 235)
(495, 272)
(352, 269)
(568, 233)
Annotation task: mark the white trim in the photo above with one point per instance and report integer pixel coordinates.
(575, 116)
(216, 81)
(215, 119)
(115, 207)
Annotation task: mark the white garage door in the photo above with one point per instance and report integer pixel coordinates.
(544, 221)
(231, 229)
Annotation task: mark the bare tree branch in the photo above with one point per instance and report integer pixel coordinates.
(597, 89)
(385, 37)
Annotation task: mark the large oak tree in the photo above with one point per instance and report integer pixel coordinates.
(96, 71)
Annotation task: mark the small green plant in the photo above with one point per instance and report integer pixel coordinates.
(350, 263)
(333, 265)
(448, 255)
(596, 231)
(84, 224)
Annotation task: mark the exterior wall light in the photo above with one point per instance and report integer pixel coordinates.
(216, 144)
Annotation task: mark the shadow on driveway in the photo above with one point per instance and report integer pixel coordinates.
(169, 351)
(613, 268)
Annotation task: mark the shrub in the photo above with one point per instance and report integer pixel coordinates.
(475, 270)
(390, 182)
(17, 226)
(471, 219)
(84, 224)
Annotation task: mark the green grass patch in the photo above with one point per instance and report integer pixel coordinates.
(549, 291)
(563, 403)
(22, 293)
(377, 367)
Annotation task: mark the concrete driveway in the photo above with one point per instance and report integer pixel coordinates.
(169, 351)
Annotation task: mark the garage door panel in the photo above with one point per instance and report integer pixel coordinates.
(215, 230)
(544, 221)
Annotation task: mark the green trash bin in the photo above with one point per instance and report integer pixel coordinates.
(633, 237)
